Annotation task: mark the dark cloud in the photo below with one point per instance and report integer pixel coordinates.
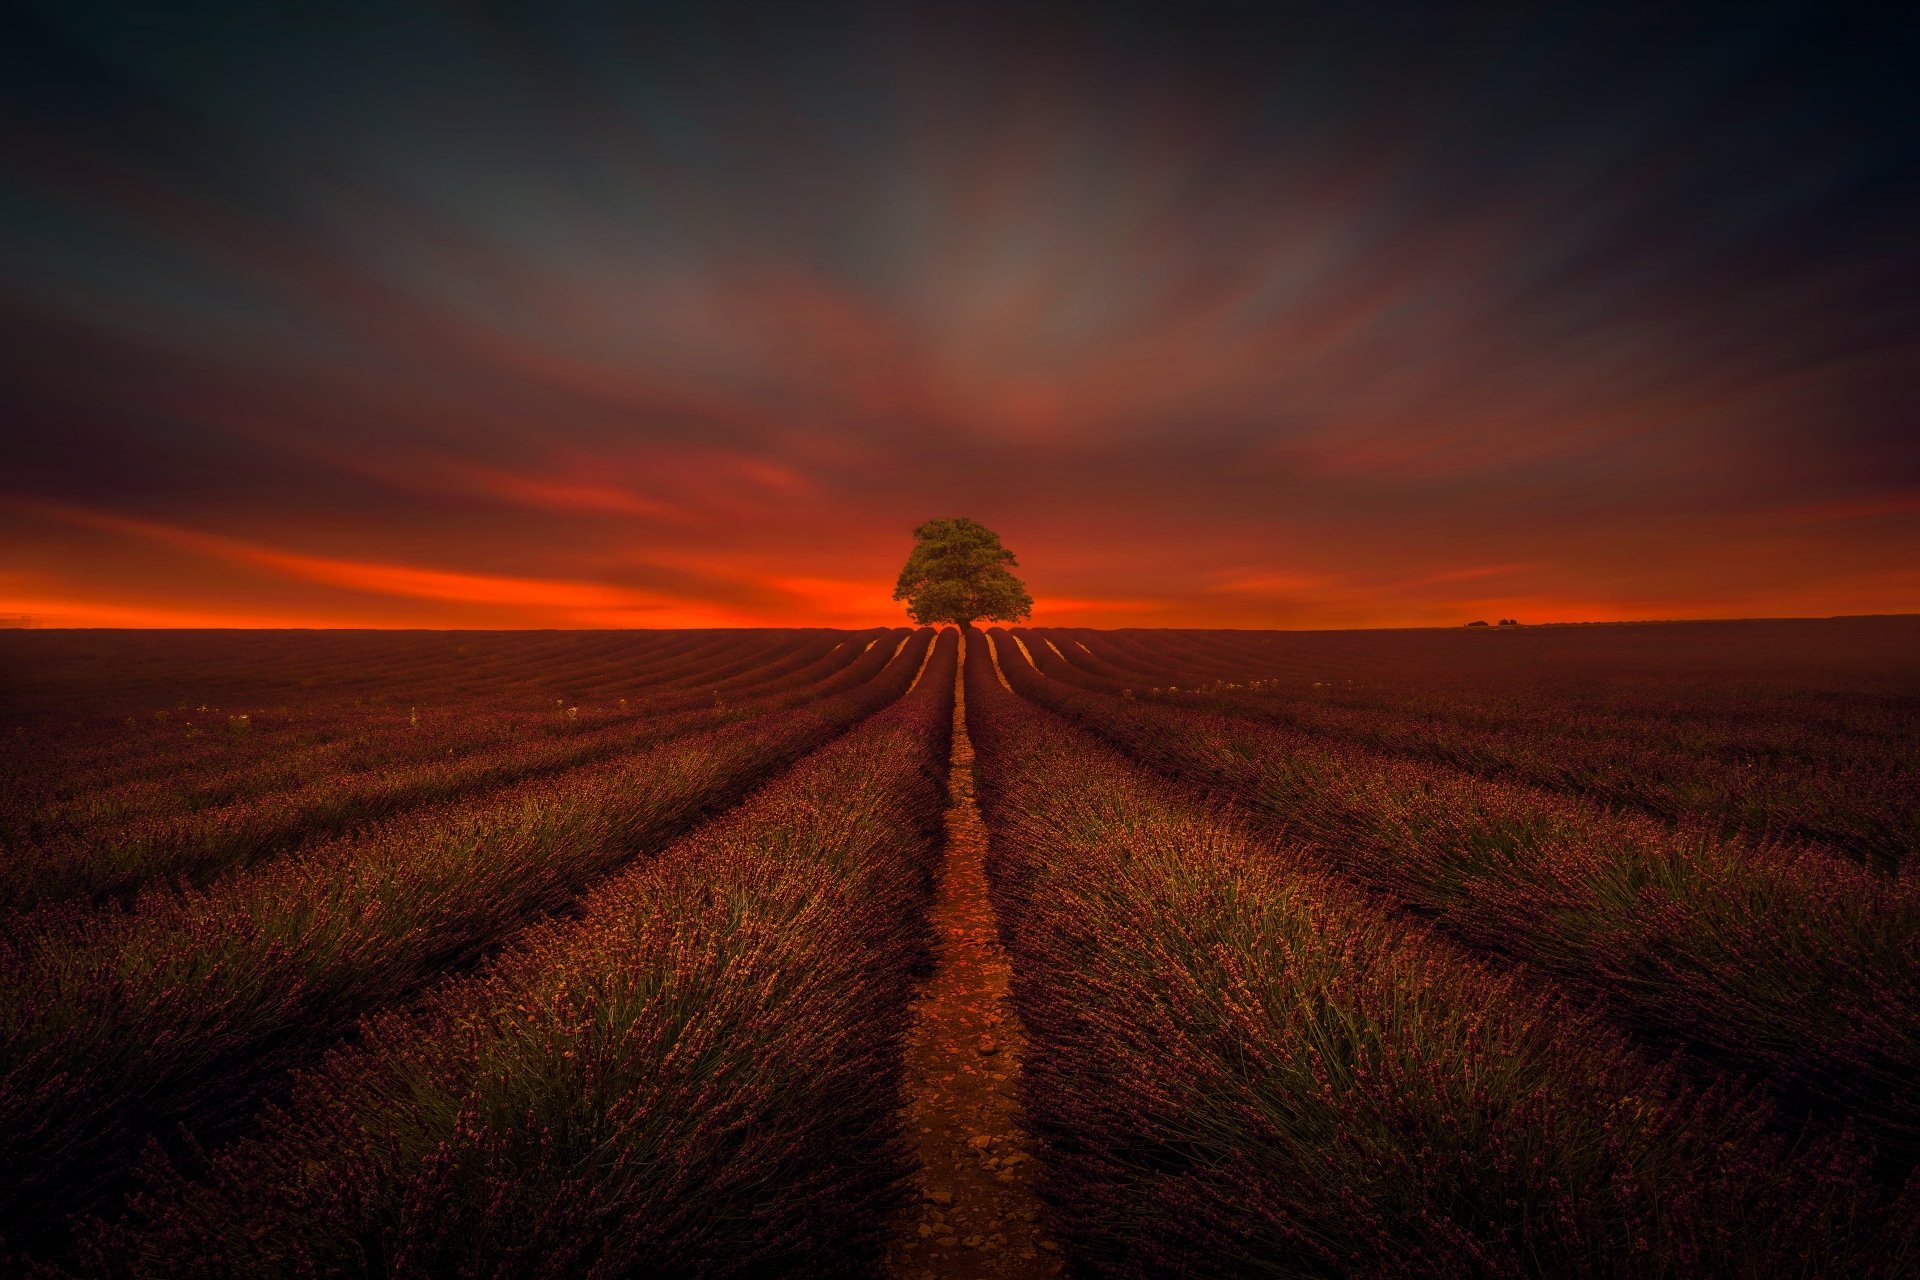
(1224, 312)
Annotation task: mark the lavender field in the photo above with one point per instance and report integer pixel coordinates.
(1556, 951)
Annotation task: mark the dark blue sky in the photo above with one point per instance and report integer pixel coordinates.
(1243, 315)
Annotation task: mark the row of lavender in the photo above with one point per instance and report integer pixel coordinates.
(61, 673)
(296, 803)
(187, 1008)
(160, 764)
(187, 737)
(700, 1075)
(1807, 731)
(1784, 962)
(1243, 1065)
(130, 705)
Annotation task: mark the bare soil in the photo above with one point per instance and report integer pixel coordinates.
(976, 1213)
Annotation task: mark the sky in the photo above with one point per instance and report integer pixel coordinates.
(1254, 315)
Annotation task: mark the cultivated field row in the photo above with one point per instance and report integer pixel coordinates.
(1785, 962)
(1735, 731)
(187, 761)
(187, 1007)
(1244, 1066)
(672, 1084)
(626, 993)
(108, 857)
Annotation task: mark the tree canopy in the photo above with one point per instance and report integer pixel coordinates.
(959, 573)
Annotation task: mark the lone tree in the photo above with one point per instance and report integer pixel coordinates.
(958, 573)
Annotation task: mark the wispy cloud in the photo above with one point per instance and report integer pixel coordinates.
(520, 328)
(577, 602)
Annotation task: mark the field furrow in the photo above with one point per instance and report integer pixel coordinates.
(119, 1024)
(185, 760)
(1242, 1066)
(1838, 770)
(700, 1075)
(1795, 965)
(195, 847)
(1504, 951)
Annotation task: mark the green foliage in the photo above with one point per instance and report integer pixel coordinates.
(959, 573)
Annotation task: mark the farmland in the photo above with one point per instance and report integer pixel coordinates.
(1560, 951)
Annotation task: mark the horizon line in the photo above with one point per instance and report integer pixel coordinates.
(7, 625)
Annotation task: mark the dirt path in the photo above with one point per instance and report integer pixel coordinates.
(925, 658)
(976, 1214)
(993, 651)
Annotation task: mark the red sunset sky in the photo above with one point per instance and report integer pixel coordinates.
(1245, 321)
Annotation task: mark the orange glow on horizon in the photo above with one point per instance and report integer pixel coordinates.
(277, 587)
(521, 340)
